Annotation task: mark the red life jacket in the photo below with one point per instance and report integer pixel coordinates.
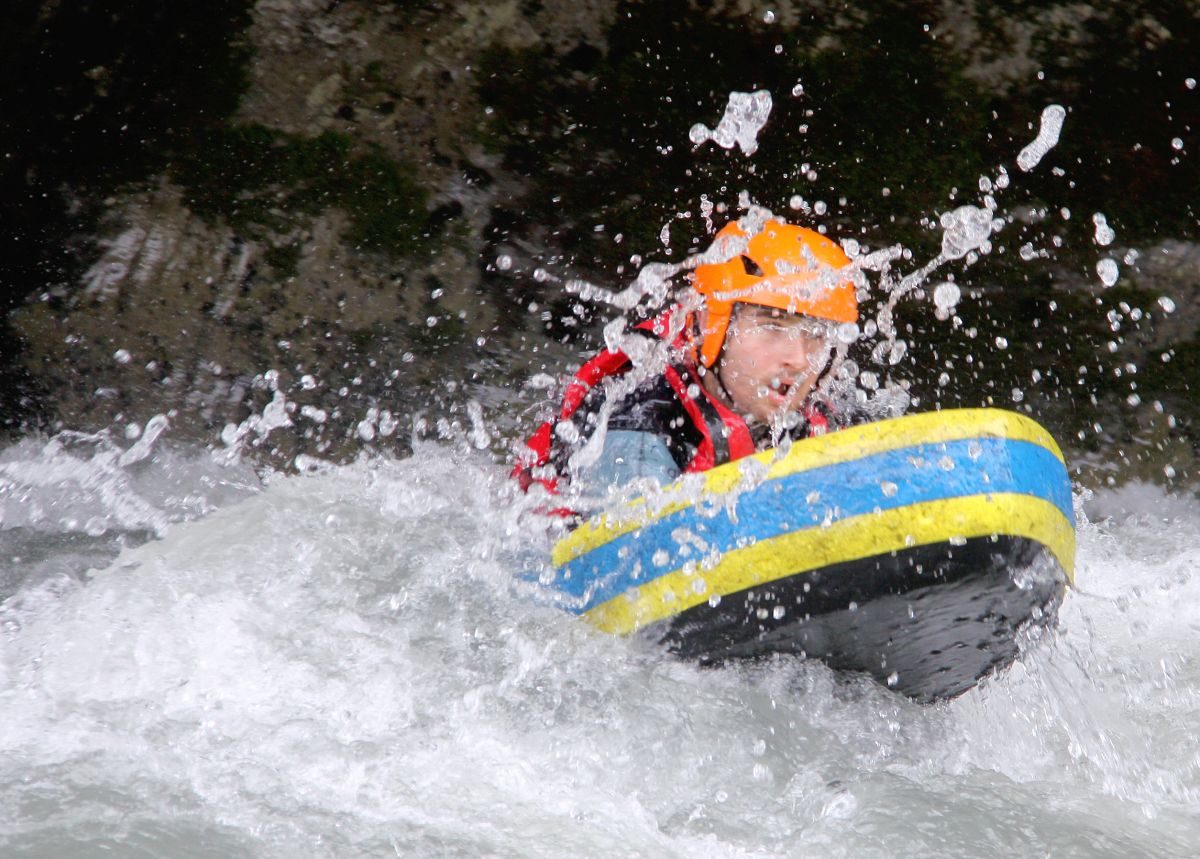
(724, 436)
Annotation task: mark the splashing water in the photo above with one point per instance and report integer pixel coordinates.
(1104, 234)
(202, 658)
(966, 229)
(1108, 271)
(967, 234)
(945, 299)
(87, 483)
(336, 664)
(745, 115)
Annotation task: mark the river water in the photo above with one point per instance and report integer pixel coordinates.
(202, 659)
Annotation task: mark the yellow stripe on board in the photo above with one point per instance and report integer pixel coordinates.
(836, 447)
(860, 537)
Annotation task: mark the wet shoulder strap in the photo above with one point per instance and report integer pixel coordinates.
(539, 446)
(724, 436)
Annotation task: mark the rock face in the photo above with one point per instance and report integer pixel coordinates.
(372, 201)
(180, 315)
(241, 258)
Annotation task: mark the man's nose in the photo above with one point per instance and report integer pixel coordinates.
(798, 355)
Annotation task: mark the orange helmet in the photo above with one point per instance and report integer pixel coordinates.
(781, 267)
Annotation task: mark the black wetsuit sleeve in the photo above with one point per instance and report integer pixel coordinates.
(655, 408)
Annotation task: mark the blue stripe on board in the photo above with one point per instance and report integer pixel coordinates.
(847, 489)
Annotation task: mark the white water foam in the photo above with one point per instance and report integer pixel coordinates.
(339, 665)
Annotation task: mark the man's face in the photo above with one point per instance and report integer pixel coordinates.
(772, 360)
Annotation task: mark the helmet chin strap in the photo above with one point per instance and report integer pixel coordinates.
(716, 371)
(825, 373)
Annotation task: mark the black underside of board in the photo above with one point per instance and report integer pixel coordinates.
(929, 621)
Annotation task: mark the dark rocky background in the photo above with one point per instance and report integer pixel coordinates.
(349, 202)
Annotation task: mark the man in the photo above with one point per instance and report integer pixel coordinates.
(745, 368)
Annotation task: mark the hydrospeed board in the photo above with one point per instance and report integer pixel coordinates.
(913, 549)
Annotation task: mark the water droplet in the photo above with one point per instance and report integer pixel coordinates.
(1108, 271)
(504, 262)
(1166, 304)
(798, 89)
(1001, 343)
(1017, 395)
(893, 679)
(1190, 83)
(946, 296)
(1047, 138)
(966, 229)
(888, 488)
(768, 17)
(1104, 233)
(1177, 143)
(848, 333)
(745, 115)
